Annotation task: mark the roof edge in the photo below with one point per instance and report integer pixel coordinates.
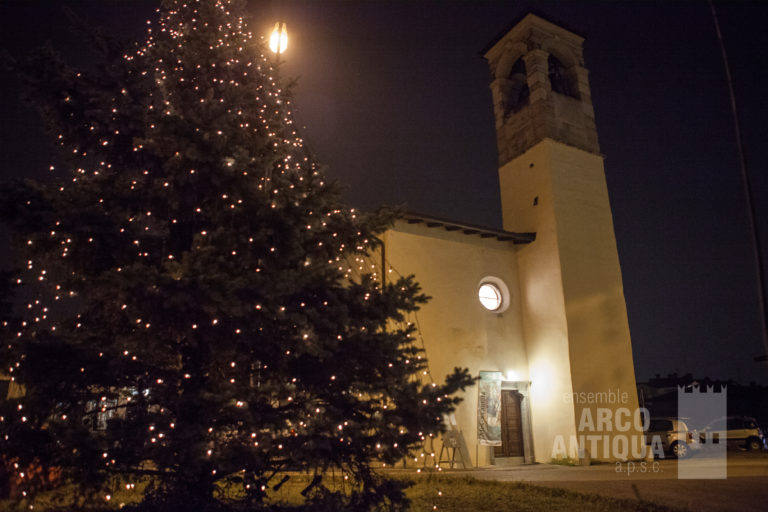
(468, 229)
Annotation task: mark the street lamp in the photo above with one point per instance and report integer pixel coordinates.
(278, 40)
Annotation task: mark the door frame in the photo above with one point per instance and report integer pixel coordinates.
(524, 389)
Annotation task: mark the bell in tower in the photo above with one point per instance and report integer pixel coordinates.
(540, 88)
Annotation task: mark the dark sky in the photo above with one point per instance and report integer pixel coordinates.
(395, 100)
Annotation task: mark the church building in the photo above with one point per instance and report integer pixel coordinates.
(536, 310)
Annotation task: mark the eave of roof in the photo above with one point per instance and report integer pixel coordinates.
(469, 229)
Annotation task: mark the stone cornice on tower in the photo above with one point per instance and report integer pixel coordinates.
(516, 21)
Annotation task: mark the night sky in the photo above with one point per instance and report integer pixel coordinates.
(395, 102)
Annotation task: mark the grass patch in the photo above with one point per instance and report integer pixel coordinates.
(564, 461)
(459, 494)
(448, 493)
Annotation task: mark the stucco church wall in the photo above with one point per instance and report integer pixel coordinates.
(594, 294)
(574, 313)
(527, 206)
(457, 330)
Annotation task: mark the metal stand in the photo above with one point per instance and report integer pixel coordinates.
(451, 440)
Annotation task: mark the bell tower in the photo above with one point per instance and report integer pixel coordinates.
(552, 183)
(540, 89)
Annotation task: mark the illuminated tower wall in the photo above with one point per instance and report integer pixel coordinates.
(553, 183)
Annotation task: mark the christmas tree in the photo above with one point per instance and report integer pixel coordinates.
(195, 315)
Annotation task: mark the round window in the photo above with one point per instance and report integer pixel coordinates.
(490, 296)
(493, 294)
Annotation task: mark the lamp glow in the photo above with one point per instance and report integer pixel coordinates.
(278, 40)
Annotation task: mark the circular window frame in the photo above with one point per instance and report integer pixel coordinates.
(501, 287)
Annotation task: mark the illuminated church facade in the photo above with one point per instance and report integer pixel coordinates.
(536, 310)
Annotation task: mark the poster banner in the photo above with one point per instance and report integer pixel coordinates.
(489, 409)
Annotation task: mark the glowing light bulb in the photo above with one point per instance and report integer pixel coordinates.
(278, 40)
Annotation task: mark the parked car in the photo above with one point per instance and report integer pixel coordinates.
(673, 434)
(739, 431)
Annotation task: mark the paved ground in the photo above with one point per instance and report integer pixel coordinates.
(745, 488)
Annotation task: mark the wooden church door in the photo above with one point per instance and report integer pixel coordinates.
(511, 425)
